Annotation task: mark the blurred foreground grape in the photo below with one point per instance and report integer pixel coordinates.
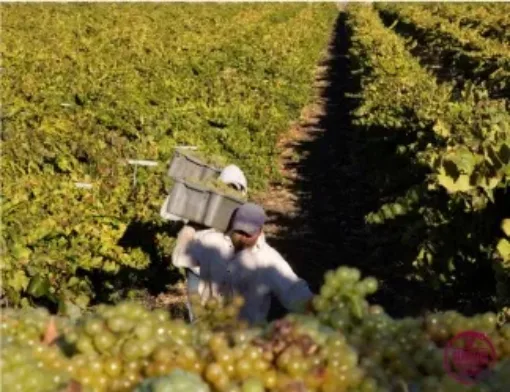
(345, 345)
(177, 381)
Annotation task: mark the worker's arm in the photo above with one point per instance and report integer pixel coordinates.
(293, 292)
(181, 255)
(191, 248)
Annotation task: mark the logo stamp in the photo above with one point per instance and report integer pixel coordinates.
(468, 357)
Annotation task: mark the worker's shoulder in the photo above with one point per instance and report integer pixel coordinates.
(270, 254)
(211, 236)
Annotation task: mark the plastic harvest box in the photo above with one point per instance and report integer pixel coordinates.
(200, 205)
(183, 166)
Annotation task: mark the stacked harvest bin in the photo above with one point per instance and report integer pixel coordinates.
(188, 201)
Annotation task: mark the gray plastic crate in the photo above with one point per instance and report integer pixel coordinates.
(185, 166)
(198, 204)
(220, 209)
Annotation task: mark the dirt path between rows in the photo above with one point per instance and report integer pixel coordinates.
(284, 200)
(288, 227)
(281, 200)
(294, 227)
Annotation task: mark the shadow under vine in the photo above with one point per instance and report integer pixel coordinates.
(346, 172)
(152, 280)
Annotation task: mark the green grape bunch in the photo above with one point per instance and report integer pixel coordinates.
(176, 381)
(28, 326)
(115, 347)
(22, 371)
(341, 302)
(217, 312)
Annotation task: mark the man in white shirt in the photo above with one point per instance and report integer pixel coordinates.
(240, 262)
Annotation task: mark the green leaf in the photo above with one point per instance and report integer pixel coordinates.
(464, 159)
(503, 248)
(19, 281)
(39, 286)
(25, 303)
(67, 308)
(63, 164)
(505, 226)
(441, 129)
(398, 209)
(82, 301)
(21, 253)
(461, 185)
(73, 281)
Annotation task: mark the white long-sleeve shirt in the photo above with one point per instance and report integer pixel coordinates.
(252, 273)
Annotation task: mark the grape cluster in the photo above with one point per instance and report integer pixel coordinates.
(232, 361)
(500, 377)
(341, 301)
(395, 350)
(27, 326)
(398, 354)
(441, 327)
(22, 371)
(118, 346)
(177, 381)
(320, 357)
(217, 313)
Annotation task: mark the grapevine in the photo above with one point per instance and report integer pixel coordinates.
(72, 113)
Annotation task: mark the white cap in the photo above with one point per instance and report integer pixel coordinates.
(232, 175)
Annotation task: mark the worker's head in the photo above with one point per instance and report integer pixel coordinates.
(246, 225)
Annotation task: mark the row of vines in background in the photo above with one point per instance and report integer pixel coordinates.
(488, 20)
(87, 86)
(463, 52)
(449, 200)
